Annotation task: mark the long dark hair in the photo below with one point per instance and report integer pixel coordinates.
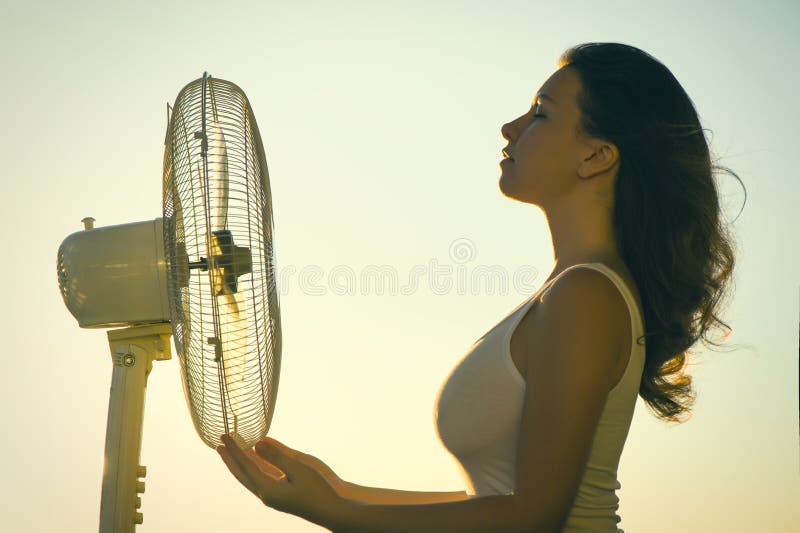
(667, 216)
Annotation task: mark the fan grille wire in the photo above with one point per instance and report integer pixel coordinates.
(235, 394)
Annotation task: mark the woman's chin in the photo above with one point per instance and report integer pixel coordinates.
(507, 189)
(510, 189)
(506, 184)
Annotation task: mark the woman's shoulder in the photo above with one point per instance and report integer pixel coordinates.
(580, 326)
(581, 301)
(584, 271)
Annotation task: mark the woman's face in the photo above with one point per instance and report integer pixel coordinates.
(545, 152)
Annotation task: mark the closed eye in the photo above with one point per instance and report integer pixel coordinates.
(535, 108)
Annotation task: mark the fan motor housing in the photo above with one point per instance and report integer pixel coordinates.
(115, 275)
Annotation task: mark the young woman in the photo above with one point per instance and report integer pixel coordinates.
(538, 410)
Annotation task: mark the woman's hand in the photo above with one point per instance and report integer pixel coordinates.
(286, 479)
(338, 484)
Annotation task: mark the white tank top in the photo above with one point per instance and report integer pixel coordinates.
(478, 407)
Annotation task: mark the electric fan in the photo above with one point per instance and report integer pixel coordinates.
(204, 273)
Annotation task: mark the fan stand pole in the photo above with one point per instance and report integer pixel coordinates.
(133, 351)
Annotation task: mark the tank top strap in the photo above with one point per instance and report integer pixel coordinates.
(627, 295)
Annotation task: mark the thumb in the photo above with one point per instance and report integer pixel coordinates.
(265, 466)
(278, 457)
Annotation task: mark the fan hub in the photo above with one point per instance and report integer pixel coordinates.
(229, 262)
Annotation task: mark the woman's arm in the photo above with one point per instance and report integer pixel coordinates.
(304, 491)
(371, 495)
(496, 513)
(377, 495)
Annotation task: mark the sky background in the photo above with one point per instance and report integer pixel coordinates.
(381, 124)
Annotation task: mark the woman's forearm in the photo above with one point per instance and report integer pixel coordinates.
(377, 495)
(496, 513)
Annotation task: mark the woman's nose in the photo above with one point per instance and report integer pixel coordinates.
(505, 131)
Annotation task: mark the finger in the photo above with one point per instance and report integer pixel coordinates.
(288, 450)
(246, 464)
(234, 449)
(236, 469)
(266, 467)
(275, 442)
(289, 463)
(266, 450)
(275, 456)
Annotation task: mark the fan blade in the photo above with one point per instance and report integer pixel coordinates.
(233, 333)
(218, 176)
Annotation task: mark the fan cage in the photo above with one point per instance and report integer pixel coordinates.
(232, 394)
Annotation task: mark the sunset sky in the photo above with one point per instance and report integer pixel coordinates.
(381, 124)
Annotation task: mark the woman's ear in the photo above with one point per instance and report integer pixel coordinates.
(603, 157)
